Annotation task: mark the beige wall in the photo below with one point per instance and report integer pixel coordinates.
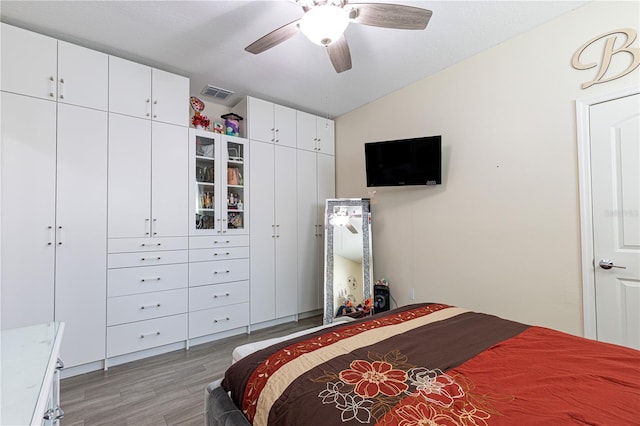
(501, 234)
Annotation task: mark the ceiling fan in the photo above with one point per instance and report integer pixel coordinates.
(342, 217)
(324, 22)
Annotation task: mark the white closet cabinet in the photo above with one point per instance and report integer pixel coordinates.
(28, 210)
(54, 221)
(144, 92)
(81, 218)
(43, 67)
(273, 238)
(315, 133)
(148, 178)
(218, 166)
(268, 122)
(315, 183)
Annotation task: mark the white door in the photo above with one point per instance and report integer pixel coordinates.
(170, 181)
(29, 62)
(169, 92)
(129, 191)
(308, 231)
(129, 88)
(260, 121)
(306, 131)
(284, 119)
(325, 132)
(262, 236)
(83, 76)
(615, 171)
(286, 232)
(81, 221)
(28, 210)
(326, 189)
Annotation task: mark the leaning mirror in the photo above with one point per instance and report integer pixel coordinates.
(348, 254)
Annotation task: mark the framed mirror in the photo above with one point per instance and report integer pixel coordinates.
(348, 257)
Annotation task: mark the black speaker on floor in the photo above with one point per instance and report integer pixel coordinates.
(381, 298)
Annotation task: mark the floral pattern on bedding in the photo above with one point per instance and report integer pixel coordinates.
(387, 390)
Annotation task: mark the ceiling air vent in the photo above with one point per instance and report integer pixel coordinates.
(216, 92)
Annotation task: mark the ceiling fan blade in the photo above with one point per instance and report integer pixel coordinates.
(351, 228)
(274, 38)
(390, 15)
(340, 55)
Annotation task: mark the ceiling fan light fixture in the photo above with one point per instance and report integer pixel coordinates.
(324, 24)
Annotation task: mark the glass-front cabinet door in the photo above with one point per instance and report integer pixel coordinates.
(217, 183)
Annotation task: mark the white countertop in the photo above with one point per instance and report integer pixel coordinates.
(28, 357)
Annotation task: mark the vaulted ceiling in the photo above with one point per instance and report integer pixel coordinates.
(205, 41)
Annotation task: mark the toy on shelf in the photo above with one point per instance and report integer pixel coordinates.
(198, 120)
(232, 124)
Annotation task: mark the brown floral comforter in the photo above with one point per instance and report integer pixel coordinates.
(433, 364)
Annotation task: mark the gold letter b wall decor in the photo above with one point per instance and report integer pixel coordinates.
(609, 51)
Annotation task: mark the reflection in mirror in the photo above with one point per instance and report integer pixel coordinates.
(348, 254)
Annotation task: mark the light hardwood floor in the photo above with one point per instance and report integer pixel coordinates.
(162, 390)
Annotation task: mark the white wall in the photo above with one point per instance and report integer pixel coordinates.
(501, 234)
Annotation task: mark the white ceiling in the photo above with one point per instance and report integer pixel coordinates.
(205, 40)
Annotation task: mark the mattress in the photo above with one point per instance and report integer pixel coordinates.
(244, 350)
(430, 364)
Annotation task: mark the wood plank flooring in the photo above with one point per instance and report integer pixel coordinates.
(162, 390)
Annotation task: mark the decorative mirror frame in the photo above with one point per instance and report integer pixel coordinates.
(367, 264)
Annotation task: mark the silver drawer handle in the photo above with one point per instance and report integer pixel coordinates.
(220, 320)
(215, 296)
(218, 254)
(155, 244)
(157, 333)
(149, 279)
(156, 305)
(218, 242)
(221, 272)
(150, 258)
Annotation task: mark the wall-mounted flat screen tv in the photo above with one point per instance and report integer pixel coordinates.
(416, 161)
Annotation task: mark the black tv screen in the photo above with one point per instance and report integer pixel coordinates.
(415, 161)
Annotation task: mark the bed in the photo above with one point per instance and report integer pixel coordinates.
(429, 364)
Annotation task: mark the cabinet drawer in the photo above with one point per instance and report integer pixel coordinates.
(125, 245)
(203, 273)
(127, 260)
(137, 336)
(139, 307)
(201, 255)
(146, 279)
(217, 295)
(215, 320)
(217, 242)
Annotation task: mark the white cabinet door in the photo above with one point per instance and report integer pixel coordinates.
(129, 191)
(286, 231)
(260, 120)
(130, 88)
(28, 216)
(29, 63)
(306, 131)
(81, 222)
(170, 180)
(262, 246)
(284, 122)
(169, 93)
(326, 189)
(83, 77)
(325, 134)
(309, 267)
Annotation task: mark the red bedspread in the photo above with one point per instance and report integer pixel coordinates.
(434, 364)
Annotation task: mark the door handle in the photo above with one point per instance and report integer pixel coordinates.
(608, 264)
